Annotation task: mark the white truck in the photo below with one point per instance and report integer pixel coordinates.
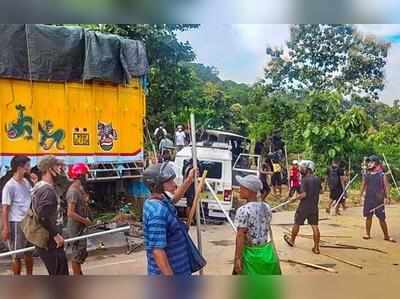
(216, 158)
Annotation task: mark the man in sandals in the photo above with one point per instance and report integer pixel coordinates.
(376, 189)
(308, 207)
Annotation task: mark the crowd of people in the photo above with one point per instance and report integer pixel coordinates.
(165, 142)
(32, 213)
(169, 248)
(255, 252)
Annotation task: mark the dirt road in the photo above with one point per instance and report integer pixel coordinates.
(218, 243)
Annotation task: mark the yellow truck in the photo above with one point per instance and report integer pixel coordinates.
(73, 93)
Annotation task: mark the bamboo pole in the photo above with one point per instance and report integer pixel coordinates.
(342, 260)
(287, 169)
(196, 199)
(344, 192)
(391, 174)
(310, 265)
(196, 187)
(220, 205)
(116, 230)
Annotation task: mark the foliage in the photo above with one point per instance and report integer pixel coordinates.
(324, 57)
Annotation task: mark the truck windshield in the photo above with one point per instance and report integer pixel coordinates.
(214, 168)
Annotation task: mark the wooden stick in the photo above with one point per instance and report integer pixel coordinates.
(339, 247)
(314, 266)
(343, 260)
(322, 236)
(378, 207)
(361, 247)
(196, 198)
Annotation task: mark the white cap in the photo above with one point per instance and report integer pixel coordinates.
(295, 162)
(307, 164)
(251, 182)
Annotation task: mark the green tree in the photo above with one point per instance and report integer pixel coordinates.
(324, 57)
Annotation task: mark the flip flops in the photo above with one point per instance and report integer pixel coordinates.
(390, 240)
(288, 240)
(366, 237)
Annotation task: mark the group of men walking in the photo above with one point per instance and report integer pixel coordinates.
(34, 194)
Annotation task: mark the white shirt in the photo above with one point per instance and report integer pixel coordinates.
(17, 195)
(180, 138)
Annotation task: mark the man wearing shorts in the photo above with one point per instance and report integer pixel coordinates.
(336, 181)
(16, 200)
(78, 214)
(375, 189)
(308, 207)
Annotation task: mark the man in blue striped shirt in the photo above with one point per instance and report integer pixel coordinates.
(166, 248)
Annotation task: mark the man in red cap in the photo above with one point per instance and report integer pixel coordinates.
(78, 213)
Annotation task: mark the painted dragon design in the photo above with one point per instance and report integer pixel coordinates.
(22, 127)
(47, 133)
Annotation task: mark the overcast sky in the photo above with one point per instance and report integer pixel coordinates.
(238, 50)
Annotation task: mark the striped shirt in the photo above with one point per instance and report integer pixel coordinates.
(162, 231)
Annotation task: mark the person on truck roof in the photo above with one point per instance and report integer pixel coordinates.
(78, 214)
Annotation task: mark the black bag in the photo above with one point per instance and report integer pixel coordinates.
(196, 260)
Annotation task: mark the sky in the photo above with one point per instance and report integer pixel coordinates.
(238, 50)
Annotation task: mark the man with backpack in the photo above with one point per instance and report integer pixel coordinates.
(336, 182)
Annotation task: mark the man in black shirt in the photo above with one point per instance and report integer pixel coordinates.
(308, 207)
(46, 205)
(336, 182)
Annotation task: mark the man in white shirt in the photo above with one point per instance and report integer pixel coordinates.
(180, 138)
(16, 201)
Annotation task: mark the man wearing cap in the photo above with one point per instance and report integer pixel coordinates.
(46, 205)
(166, 247)
(294, 178)
(376, 193)
(308, 207)
(254, 254)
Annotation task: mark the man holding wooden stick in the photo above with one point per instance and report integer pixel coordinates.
(308, 207)
(375, 192)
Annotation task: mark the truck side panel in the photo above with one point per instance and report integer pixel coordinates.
(88, 122)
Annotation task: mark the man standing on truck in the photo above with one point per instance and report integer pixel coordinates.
(16, 200)
(308, 207)
(375, 194)
(78, 214)
(46, 205)
(336, 181)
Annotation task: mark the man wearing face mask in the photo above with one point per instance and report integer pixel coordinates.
(308, 207)
(45, 202)
(376, 194)
(78, 213)
(166, 247)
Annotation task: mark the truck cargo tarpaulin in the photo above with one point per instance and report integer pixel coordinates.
(98, 121)
(56, 53)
